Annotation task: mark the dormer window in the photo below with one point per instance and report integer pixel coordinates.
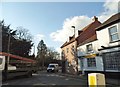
(89, 48)
(113, 33)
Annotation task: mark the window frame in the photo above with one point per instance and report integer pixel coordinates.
(112, 60)
(67, 49)
(115, 33)
(73, 48)
(91, 63)
(87, 48)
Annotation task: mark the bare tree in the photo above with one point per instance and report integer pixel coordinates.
(51, 52)
(23, 33)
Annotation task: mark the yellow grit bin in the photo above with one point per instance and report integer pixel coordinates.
(96, 79)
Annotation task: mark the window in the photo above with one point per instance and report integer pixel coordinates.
(89, 48)
(73, 48)
(91, 62)
(67, 50)
(112, 60)
(113, 33)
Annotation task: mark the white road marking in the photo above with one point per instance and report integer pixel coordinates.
(40, 84)
(67, 79)
(53, 84)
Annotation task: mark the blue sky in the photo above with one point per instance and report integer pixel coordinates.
(46, 20)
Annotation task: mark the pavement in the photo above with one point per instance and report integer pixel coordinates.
(110, 82)
(114, 82)
(83, 77)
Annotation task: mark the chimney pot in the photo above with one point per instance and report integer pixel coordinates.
(95, 18)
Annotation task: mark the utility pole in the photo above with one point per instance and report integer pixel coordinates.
(34, 49)
(8, 50)
(8, 57)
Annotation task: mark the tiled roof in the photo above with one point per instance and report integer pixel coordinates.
(92, 38)
(88, 34)
(113, 19)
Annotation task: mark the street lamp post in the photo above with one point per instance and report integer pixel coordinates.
(75, 55)
(74, 29)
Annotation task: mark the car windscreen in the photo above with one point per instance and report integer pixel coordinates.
(51, 66)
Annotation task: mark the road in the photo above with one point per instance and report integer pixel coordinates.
(44, 78)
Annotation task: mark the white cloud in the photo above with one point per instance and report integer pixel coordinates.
(110, 8)
(38, 37)
(58, 50)
(80, 22)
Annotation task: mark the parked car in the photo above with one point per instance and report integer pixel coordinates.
(53, 67)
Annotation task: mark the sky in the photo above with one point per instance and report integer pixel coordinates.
(52, 21)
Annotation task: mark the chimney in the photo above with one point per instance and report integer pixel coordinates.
(79, 32)
(70, 38)
(95, 18)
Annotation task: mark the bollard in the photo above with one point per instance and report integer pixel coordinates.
(96, 80)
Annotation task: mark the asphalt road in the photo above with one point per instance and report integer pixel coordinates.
(44, 78)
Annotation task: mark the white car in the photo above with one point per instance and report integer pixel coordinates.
(53, 67)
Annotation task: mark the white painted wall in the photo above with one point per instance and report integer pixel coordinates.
(82, 51)
(104, 38)
(99, 65)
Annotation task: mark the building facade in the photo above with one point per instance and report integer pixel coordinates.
(96, 49)
(88, 57)
(101, 52)
(108, 35)
(69, 56)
